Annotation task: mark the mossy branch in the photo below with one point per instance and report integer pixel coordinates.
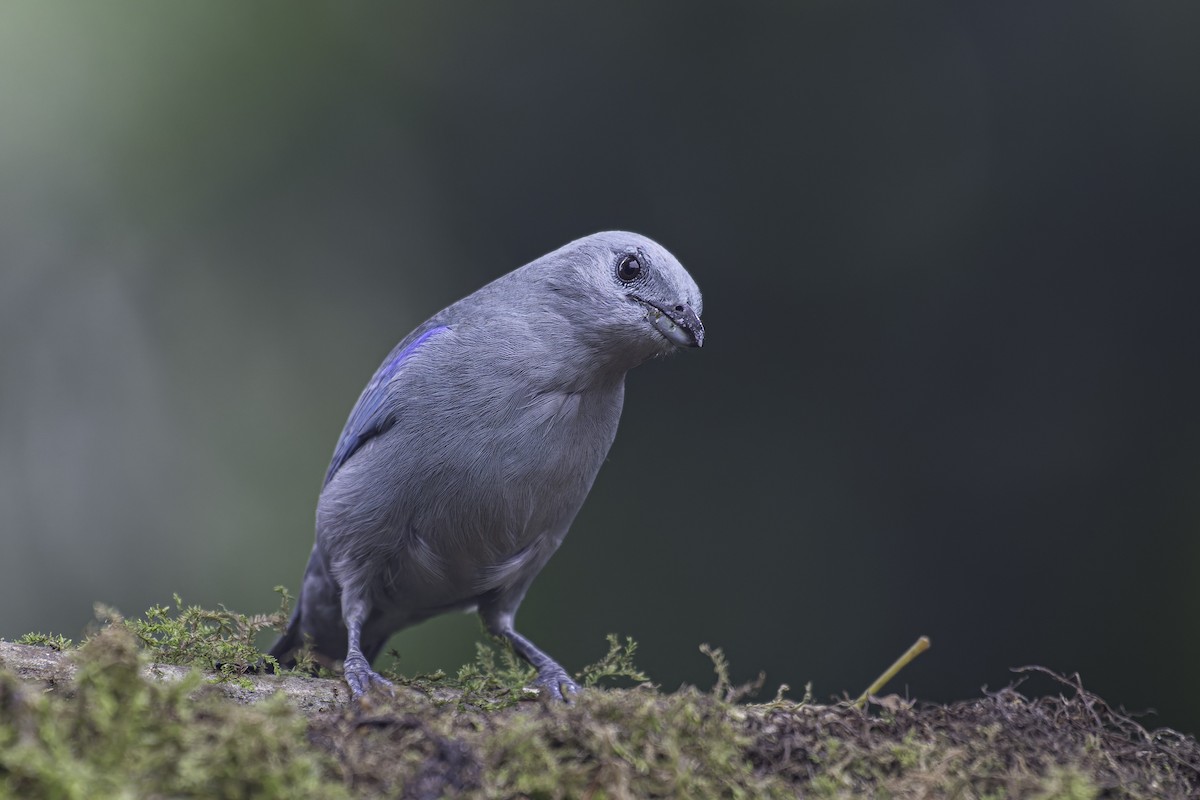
(57, 670)
(103, 721)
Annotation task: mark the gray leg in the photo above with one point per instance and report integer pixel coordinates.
(357, 670)
(551, 676)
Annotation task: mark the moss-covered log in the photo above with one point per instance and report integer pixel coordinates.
(102, 721)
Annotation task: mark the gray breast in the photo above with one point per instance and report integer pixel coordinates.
(462, 526)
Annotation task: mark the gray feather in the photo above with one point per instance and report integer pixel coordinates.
(476, 442)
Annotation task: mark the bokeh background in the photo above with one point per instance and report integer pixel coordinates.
(949, 257)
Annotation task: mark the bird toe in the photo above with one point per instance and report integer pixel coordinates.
(557, 684)
(360, 678)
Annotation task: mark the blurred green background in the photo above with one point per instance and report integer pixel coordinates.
(949, 259)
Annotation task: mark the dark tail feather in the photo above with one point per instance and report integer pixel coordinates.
(286, 645)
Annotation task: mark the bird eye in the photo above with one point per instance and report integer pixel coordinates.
(628, 268)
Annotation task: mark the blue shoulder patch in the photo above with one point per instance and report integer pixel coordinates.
(368, 418)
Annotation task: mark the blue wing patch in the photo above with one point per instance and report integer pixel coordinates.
(368, 419)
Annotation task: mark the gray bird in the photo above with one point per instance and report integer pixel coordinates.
(474, 445)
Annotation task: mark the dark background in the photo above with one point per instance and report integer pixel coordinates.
(948, 254)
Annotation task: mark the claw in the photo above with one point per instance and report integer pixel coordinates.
(557, 684)
(359, 677)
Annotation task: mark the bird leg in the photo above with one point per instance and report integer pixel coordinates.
(356, 669)
(551, 676)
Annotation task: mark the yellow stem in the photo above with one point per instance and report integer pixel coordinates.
(920, 646)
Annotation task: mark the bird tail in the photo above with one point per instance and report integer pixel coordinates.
(318, 591)
(284, 649)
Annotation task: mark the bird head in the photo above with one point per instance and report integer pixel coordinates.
(626, 294)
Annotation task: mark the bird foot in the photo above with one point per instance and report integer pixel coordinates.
(557, 684)
(360, 677)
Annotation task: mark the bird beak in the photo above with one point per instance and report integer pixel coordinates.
(679, 323)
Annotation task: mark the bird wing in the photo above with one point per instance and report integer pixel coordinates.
(370, 417)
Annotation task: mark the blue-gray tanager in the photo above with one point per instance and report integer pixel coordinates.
(474, 445)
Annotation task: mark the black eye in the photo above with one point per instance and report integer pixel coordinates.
(629, 268)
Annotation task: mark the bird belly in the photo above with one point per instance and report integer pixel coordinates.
(475, 509)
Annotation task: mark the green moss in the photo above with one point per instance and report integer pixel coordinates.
(907, 753)
(118, 734)
(114, 732)
(617, 664)
(631, 743)
(213, 639)
(497, 679)
(619, 743)
(53, 641)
